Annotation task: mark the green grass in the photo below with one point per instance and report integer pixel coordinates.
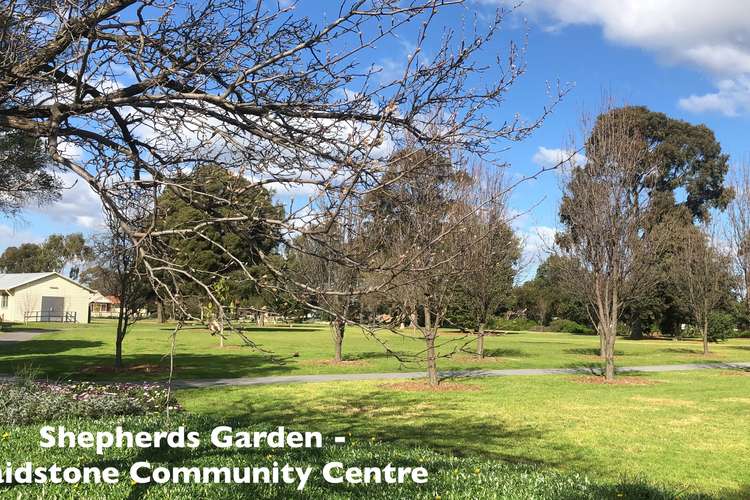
(684, 431)
(450, 477)
(65, 350)
(681, 436)
(675, 435)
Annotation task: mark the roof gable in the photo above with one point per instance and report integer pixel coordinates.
(12, 281)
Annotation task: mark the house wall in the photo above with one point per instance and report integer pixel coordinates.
(28, 298)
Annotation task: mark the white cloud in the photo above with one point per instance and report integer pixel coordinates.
(78, 206)
(550, 157)
(14, 236)
(732, 98)
(713, 36)
(538, 241)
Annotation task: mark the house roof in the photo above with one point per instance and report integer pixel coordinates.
(105, 299)
(12, 281)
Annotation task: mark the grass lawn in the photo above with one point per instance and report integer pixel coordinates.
(685, 431)
(671, 436)
(668, 435)
(79, 351)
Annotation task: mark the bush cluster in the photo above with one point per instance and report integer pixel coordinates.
(568, 326)
(512, 325)
(26, 402)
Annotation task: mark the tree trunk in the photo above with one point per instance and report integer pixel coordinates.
(159, 311)
(339, 327)
(636, 329)
(480, 341)
(602, 345)
(432, 371)
(118, 352)
(609, 359)
(122, 327)
(705, 336)
(427, 316)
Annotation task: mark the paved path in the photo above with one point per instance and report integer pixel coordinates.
(300, 379)
(18, 336)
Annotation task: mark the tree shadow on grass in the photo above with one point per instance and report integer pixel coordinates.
(493, 439)
(507, 353)
(279, 329)
(46, 346)
(349, 414)
(368, 355)
(589, 351)
(20, 327)
(187, 366)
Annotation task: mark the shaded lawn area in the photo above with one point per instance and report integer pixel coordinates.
(450, 477)
(86, 352)
(686, 432)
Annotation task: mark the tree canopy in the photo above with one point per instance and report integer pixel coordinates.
(56, 253)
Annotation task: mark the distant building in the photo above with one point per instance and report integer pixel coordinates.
(105, 306)
(31, 297)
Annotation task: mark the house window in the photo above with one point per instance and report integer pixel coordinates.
(3, 301)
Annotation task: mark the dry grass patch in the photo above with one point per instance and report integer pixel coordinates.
(473, 358)
(621, 380)
(420, 386)
(333, 362)
(664, 401)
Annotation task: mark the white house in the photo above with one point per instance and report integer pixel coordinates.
(105, 306)
(43, 297)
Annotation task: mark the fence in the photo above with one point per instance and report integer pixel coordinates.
(49, 316)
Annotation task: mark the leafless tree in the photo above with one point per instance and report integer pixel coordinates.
(318, 267)
(430, 215)
(702, 272)
(492, 258)
(118, 258)
(603, 213)
(147, 90)
(425, 225)
(739, 228)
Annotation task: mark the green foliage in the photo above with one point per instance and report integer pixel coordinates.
(548, 295)
(568, 326)
(685, 156)
(245, 237)
(720, 326)
(26, 175)
(512, 325)
(54, 254)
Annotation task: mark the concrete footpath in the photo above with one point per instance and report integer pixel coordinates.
(18, 336)
(455, 374)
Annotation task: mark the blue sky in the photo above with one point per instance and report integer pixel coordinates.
(687, 58)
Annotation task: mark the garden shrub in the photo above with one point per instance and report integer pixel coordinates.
(27, 401)
(720, 326)
(511, 325)
(568, 326)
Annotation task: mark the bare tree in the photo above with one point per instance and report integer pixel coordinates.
(702, 273)
(739, 228)
(492, 258)
(148, 91)
(427, 215)
(118, 261)
(603, 213)
(335, 283)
